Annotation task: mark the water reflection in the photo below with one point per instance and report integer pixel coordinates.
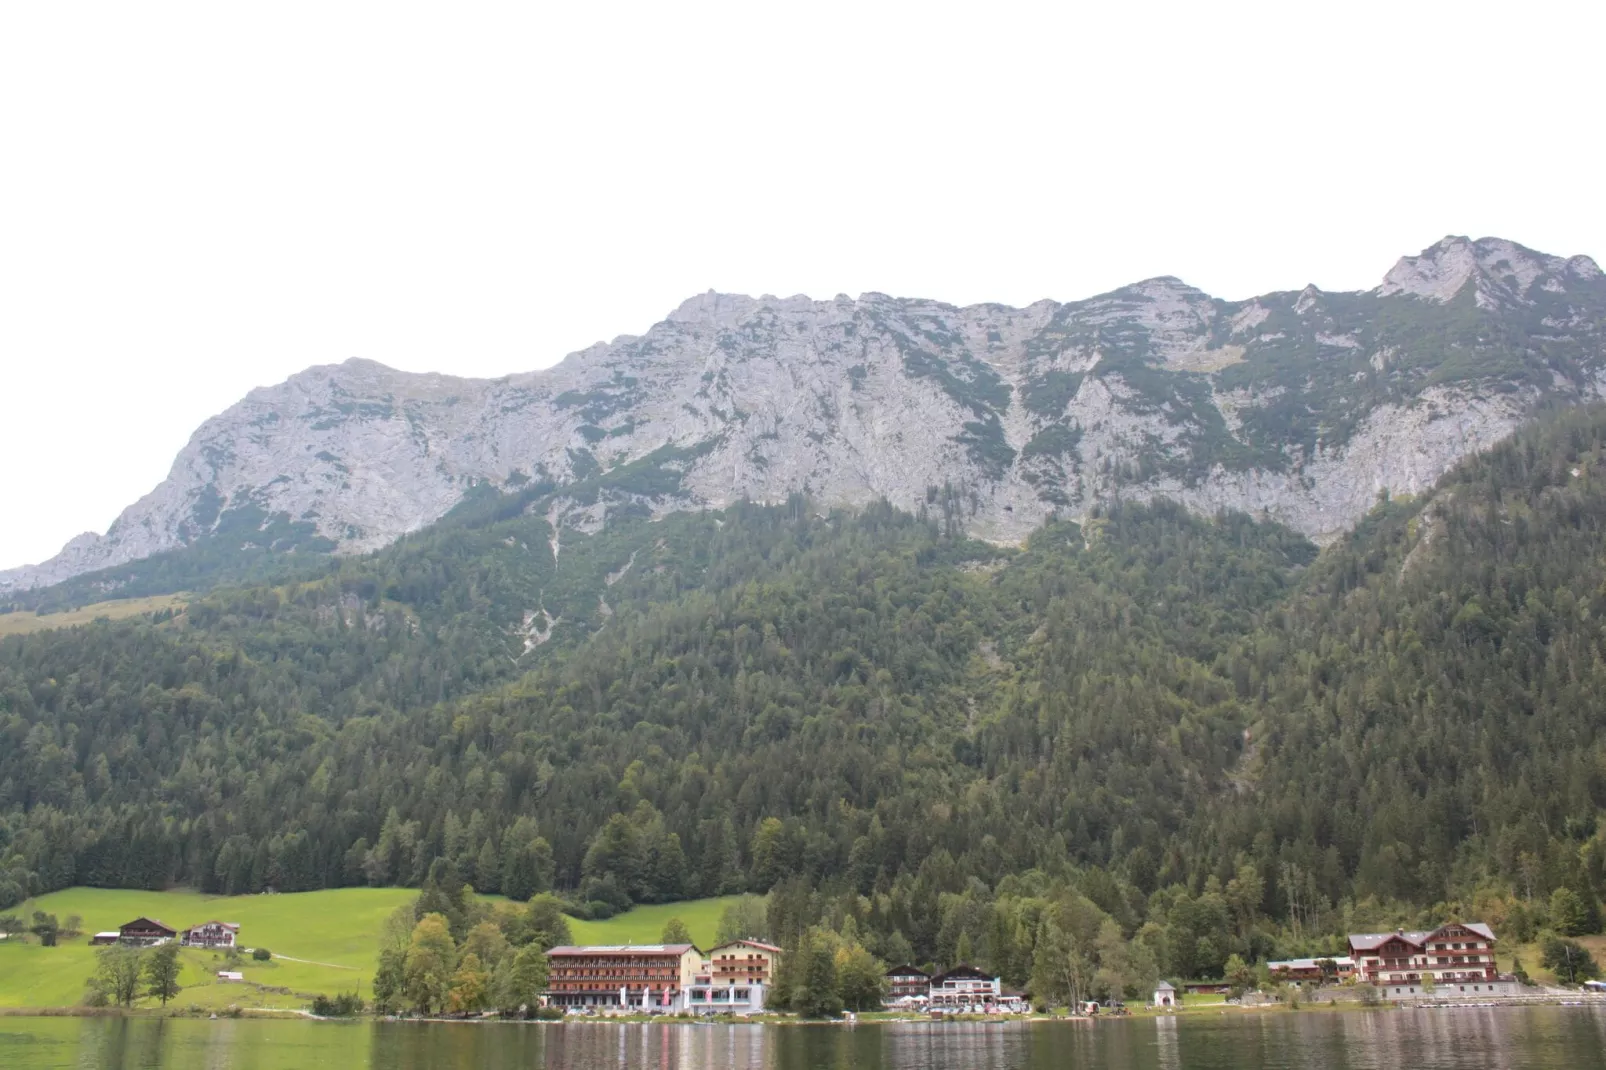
(1540, 1037)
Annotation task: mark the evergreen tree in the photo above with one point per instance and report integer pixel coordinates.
(390, 980)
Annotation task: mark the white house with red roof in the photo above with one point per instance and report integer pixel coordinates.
(213, 934)
(1455, 959)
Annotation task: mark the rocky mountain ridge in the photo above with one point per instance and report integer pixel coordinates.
(1301, 406)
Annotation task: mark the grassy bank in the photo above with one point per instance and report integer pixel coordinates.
(335, 934)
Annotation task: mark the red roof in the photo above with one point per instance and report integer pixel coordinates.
(624, 949)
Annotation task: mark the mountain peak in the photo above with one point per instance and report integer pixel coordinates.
(1504, 271)
(1290, 405)
(1436, 274)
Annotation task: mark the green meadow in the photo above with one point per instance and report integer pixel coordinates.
(20, 623)
(645, 924)
(334, 934)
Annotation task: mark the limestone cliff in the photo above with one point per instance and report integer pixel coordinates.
(1299, 406)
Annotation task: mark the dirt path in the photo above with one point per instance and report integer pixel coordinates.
(310, 962)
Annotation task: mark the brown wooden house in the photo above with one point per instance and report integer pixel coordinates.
(906, 982)
(144, 932)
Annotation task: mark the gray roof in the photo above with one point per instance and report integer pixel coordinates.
(1310, 964)
(1165, 986)
(1371, 941)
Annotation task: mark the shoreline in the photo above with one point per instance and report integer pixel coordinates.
(1215, 1009)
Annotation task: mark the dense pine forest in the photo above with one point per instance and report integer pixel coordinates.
(1170, 736)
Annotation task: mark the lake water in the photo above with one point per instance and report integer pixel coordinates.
(1527, 1037)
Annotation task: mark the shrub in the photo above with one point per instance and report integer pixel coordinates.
(1571, 961)
(261, 954)
(345, 1005)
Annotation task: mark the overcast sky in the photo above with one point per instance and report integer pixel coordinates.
(199, 199)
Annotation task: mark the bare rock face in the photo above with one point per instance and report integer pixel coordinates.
(1301, 406)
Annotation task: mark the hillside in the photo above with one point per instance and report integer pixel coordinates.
(1297, 406)
(323, 942)
(1220, 735)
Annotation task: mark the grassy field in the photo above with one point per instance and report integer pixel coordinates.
(21, 623)
(335, 932)
(644, 925)
(1530, 954)
(338, 929)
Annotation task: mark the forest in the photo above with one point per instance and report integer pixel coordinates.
(1161, 739)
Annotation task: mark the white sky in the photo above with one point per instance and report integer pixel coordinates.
(198, 199)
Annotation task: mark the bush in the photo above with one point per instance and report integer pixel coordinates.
(1571, 961)
(345, 1005)
(261, 954)
(549, 1014)
(600, 910)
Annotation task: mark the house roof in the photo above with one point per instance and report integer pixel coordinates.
(1165, 986)
(623, 949)
(1415, 937)
(1340, 961)
(225, 924)
(745, 943)
(148, 923)
(961, 973)
(908, 971)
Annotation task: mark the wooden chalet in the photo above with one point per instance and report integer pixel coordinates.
(907, 982)
(1453, 953)
(144, 932)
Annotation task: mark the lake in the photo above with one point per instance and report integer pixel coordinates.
(1527, 1037)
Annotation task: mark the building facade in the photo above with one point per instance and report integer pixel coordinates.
(965, 986)
(647, 977)
(1456, 953)
(704, 997)
(742, 962)
(907, 982)
(144, 932)
(212, 934)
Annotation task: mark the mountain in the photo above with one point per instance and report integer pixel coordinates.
(1226, 739)
(1300, 407)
